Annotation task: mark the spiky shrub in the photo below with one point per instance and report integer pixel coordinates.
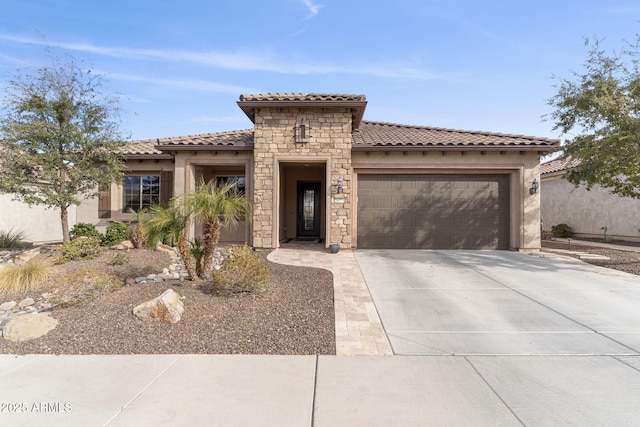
(116, 233)
(23, 278)
(135, 228)
(83, 229)
(243, 272)
(11, 239)
(79, 248)
(561, 230)
(82, 285)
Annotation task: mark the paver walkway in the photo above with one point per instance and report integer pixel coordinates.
(358, 327)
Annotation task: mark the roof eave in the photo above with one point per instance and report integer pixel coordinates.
(204, 147)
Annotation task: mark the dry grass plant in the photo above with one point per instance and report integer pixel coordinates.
(24, 278)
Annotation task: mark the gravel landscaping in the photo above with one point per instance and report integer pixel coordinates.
(296, 315)
(627, 261)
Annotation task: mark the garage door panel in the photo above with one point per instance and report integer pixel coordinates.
(433, 211)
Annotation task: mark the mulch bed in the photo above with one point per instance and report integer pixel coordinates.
(296, 316)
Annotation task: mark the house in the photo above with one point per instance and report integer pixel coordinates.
(587, 212)
(315, 170)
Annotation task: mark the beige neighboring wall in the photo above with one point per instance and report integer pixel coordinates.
(521, 166)
(586, 212)
(38, 224)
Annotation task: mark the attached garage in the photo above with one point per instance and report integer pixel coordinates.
(433, 211)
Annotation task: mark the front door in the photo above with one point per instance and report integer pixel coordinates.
(308, 218)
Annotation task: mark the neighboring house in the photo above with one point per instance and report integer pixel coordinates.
(315, 170)
(585, 211)
(38, 224)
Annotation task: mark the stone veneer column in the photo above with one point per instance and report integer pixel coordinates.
(330, 136)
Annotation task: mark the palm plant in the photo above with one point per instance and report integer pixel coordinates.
(216, 207)
(168, 224)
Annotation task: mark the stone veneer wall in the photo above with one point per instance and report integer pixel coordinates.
(330, 140)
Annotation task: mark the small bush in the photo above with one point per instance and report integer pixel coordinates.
(26, 277)
(116, 233)
(85, 284)
(83, 229)
(79, 248)
(561, 230)
(119, 258)
(243, 271)
(10, 239)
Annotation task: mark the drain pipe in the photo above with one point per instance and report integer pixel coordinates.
(604, 238)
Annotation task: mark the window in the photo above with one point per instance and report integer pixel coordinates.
(140, 191)
(239, 182)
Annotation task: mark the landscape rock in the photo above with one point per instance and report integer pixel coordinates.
(26, 302)
(26, 256)
(29, 327)
(167, 308)
(122, 246)
(7, 305)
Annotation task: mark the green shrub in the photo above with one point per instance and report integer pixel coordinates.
(116, 233)
(10, 239)
(26, 277)
(242, 272)
(119, 258)
(83, 229)
(84, 284)
(561, 230)
(79, 248)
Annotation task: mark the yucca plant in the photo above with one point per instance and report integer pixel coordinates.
(168, 224)
(25, 277)
(216, 207)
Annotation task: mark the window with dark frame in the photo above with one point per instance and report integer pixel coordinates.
(140, 191)
(238, 181)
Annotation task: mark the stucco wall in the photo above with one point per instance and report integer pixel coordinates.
(586, 212)
(39, 225)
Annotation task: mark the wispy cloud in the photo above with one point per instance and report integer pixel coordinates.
(199, 85)
(314, 9)
(243, 60)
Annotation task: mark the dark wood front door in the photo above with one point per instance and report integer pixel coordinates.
(308, 218)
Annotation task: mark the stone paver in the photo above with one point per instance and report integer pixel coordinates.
(358, 327)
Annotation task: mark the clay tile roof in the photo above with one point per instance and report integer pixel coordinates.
(237, 140)
(558, 165)
(390, 135)
(144, 148)
(293, 97)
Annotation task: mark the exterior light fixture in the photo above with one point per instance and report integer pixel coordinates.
(534, 187)
(301, 131)
(340, 183)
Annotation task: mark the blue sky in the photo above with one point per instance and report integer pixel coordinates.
(181, 66)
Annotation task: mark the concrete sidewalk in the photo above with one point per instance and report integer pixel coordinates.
(219, 390)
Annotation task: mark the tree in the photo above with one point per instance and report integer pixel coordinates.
(600, 108)
(59, 137)
(216, 206)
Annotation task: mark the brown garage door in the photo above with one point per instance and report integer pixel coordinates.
(433, 211)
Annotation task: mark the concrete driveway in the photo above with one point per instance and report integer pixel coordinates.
(501, 303)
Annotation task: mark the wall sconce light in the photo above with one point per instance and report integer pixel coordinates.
(534, 187)
(340, 183)
(301, 131)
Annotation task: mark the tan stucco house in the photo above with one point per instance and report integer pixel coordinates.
(315, 170)
(587, 212)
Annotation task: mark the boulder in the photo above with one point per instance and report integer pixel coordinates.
(26, 256)
(122, 246)
(167, 308)
(26, 302)
(29, 327)
(7, 305)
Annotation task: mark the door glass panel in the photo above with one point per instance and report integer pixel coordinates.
(308, 209)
